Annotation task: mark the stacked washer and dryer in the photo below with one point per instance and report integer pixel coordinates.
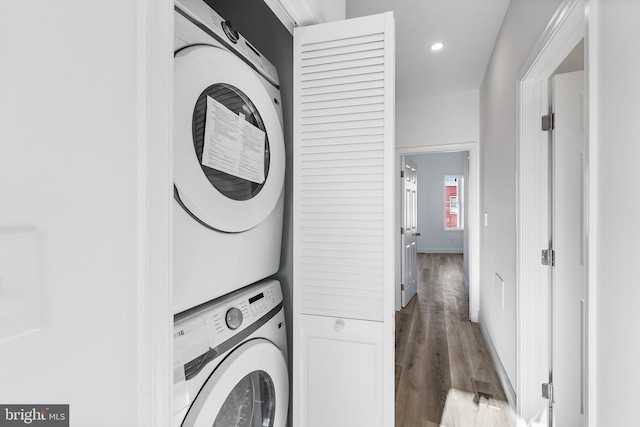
(230, 363)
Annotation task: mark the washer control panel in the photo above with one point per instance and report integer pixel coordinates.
(199, 12)
(199, 331)
(263, 302)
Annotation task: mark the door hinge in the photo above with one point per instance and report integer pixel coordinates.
(547, 391)
(548, 257)
(548, 122)
(401, 230)
(402, 286)
(401, 174)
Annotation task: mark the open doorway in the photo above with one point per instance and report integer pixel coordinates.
(434, 217)
(471, 220)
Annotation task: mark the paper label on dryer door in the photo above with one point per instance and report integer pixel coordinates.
(232, 144)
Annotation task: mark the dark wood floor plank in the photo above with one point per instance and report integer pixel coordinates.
(411, 386)
(403, 327)
(438, 375)
(398, 374)
(461, 367)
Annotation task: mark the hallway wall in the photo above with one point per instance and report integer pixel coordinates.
(614, 39)
(446, 119)
(524, 23)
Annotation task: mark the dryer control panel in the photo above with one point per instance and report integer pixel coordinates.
(207, 331)
(209, 21)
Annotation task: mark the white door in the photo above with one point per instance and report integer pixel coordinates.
(568, 273)
(344, 225)
(410, 233)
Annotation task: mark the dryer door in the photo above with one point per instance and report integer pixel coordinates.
(229, 158)
(250, 388)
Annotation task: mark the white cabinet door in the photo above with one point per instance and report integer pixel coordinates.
(344, 240)
(339, 359)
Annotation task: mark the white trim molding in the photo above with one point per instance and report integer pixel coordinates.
(440, 250)
(154, 323)
(500, 371)
(300, 13)
(591, 242)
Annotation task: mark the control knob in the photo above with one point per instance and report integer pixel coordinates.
(234, 318)
(231, 32)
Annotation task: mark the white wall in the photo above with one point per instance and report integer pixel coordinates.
(68, 167)
(432, 168)
(524, 23)
(614, 39)
(446, 119)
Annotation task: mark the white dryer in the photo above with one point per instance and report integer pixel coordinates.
(230, 363)
(229, 159)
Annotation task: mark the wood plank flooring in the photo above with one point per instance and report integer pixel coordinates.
(438, 353)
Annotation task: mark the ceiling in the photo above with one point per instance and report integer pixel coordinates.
(468, 28)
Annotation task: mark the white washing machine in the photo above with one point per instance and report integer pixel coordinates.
(230, 363)
(229, 159)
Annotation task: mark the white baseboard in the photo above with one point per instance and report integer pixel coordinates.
(502, 374)
(440, 250)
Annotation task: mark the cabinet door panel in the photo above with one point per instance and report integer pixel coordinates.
(339, 357)
(343, 223)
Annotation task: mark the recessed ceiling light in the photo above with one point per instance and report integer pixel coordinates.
(437, 46)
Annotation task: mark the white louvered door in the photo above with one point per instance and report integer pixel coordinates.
(344, 240)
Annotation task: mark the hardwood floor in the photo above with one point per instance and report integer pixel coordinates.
(439, 352)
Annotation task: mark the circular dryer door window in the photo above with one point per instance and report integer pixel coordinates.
(229, 158)
(249, 388)
(233, 99)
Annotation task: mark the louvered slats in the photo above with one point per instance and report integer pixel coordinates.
(341, 172)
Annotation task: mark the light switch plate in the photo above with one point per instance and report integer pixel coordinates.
(20, 282)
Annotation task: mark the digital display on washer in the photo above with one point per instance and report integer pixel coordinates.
(256, 298)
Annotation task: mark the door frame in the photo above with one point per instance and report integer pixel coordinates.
(154, 183)
(567, 27)
(473, 210)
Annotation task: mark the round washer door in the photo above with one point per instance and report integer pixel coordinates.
(249, 388)
(220, 200)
